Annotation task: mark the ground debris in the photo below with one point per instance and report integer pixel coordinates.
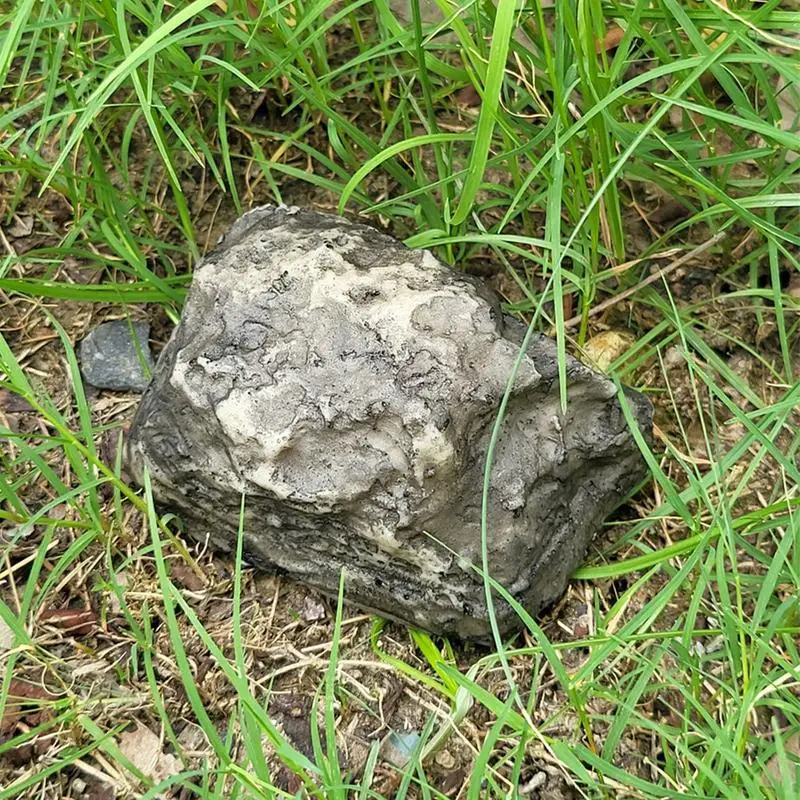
(144, 750)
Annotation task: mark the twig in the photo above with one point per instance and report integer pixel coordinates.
(8, 246)
(656, 276)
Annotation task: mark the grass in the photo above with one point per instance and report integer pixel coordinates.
(132, 133)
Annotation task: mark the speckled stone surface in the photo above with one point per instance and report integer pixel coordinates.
(116, 355)
(347, 386)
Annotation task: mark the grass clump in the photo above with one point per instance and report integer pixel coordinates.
(625, 168)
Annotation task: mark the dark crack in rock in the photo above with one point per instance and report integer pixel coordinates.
(116, 355)
(347, 386)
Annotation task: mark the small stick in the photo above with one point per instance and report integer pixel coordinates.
(671, 267)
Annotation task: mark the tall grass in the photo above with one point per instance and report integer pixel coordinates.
(132, 130)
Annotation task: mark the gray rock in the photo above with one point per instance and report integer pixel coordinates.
(347, 386)
(116, 355)
(398, 748)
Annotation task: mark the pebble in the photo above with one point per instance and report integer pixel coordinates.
(674, 358)
(399, 747)
(536, 782)
(444, 758)
(116, 355)
(313, 610)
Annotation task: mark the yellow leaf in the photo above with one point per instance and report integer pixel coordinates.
(602, 350)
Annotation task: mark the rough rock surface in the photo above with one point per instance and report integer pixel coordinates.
(116, 355)
(348, 386)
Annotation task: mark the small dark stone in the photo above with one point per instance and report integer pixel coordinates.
(116, 355)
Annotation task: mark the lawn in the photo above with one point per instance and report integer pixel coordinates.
(626, 175)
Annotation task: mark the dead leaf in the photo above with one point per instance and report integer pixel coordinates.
(793, 289)
(468, 97)
(452, 782)
(78, 272)
(313, 610)
(12, 403)
(671, 210)
(20, 694)
(772, 774)
(611, 40)
(186, 577)
(602, 350)
(6, 636)
(22, 226)
(143, 749)
(788, 98)
(77, 621)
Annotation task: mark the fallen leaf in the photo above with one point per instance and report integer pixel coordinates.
(452, 782)
(12, 403)
(788, 98)
(773, 775)
(602, 350)
(313, 610)
(793, 289)
(468, 97)
(611, 40)
(186, 577)
(22, 226)
(6, 636)
(143, 749)
(20, 694)
(78, 272)
(671, 210)
(77, 621)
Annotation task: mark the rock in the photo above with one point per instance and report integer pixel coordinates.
(116, 355)
(348, 386)
(398, 748)
(313, 610)
(6, 636)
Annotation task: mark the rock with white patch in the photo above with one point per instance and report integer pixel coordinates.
(347, 386)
